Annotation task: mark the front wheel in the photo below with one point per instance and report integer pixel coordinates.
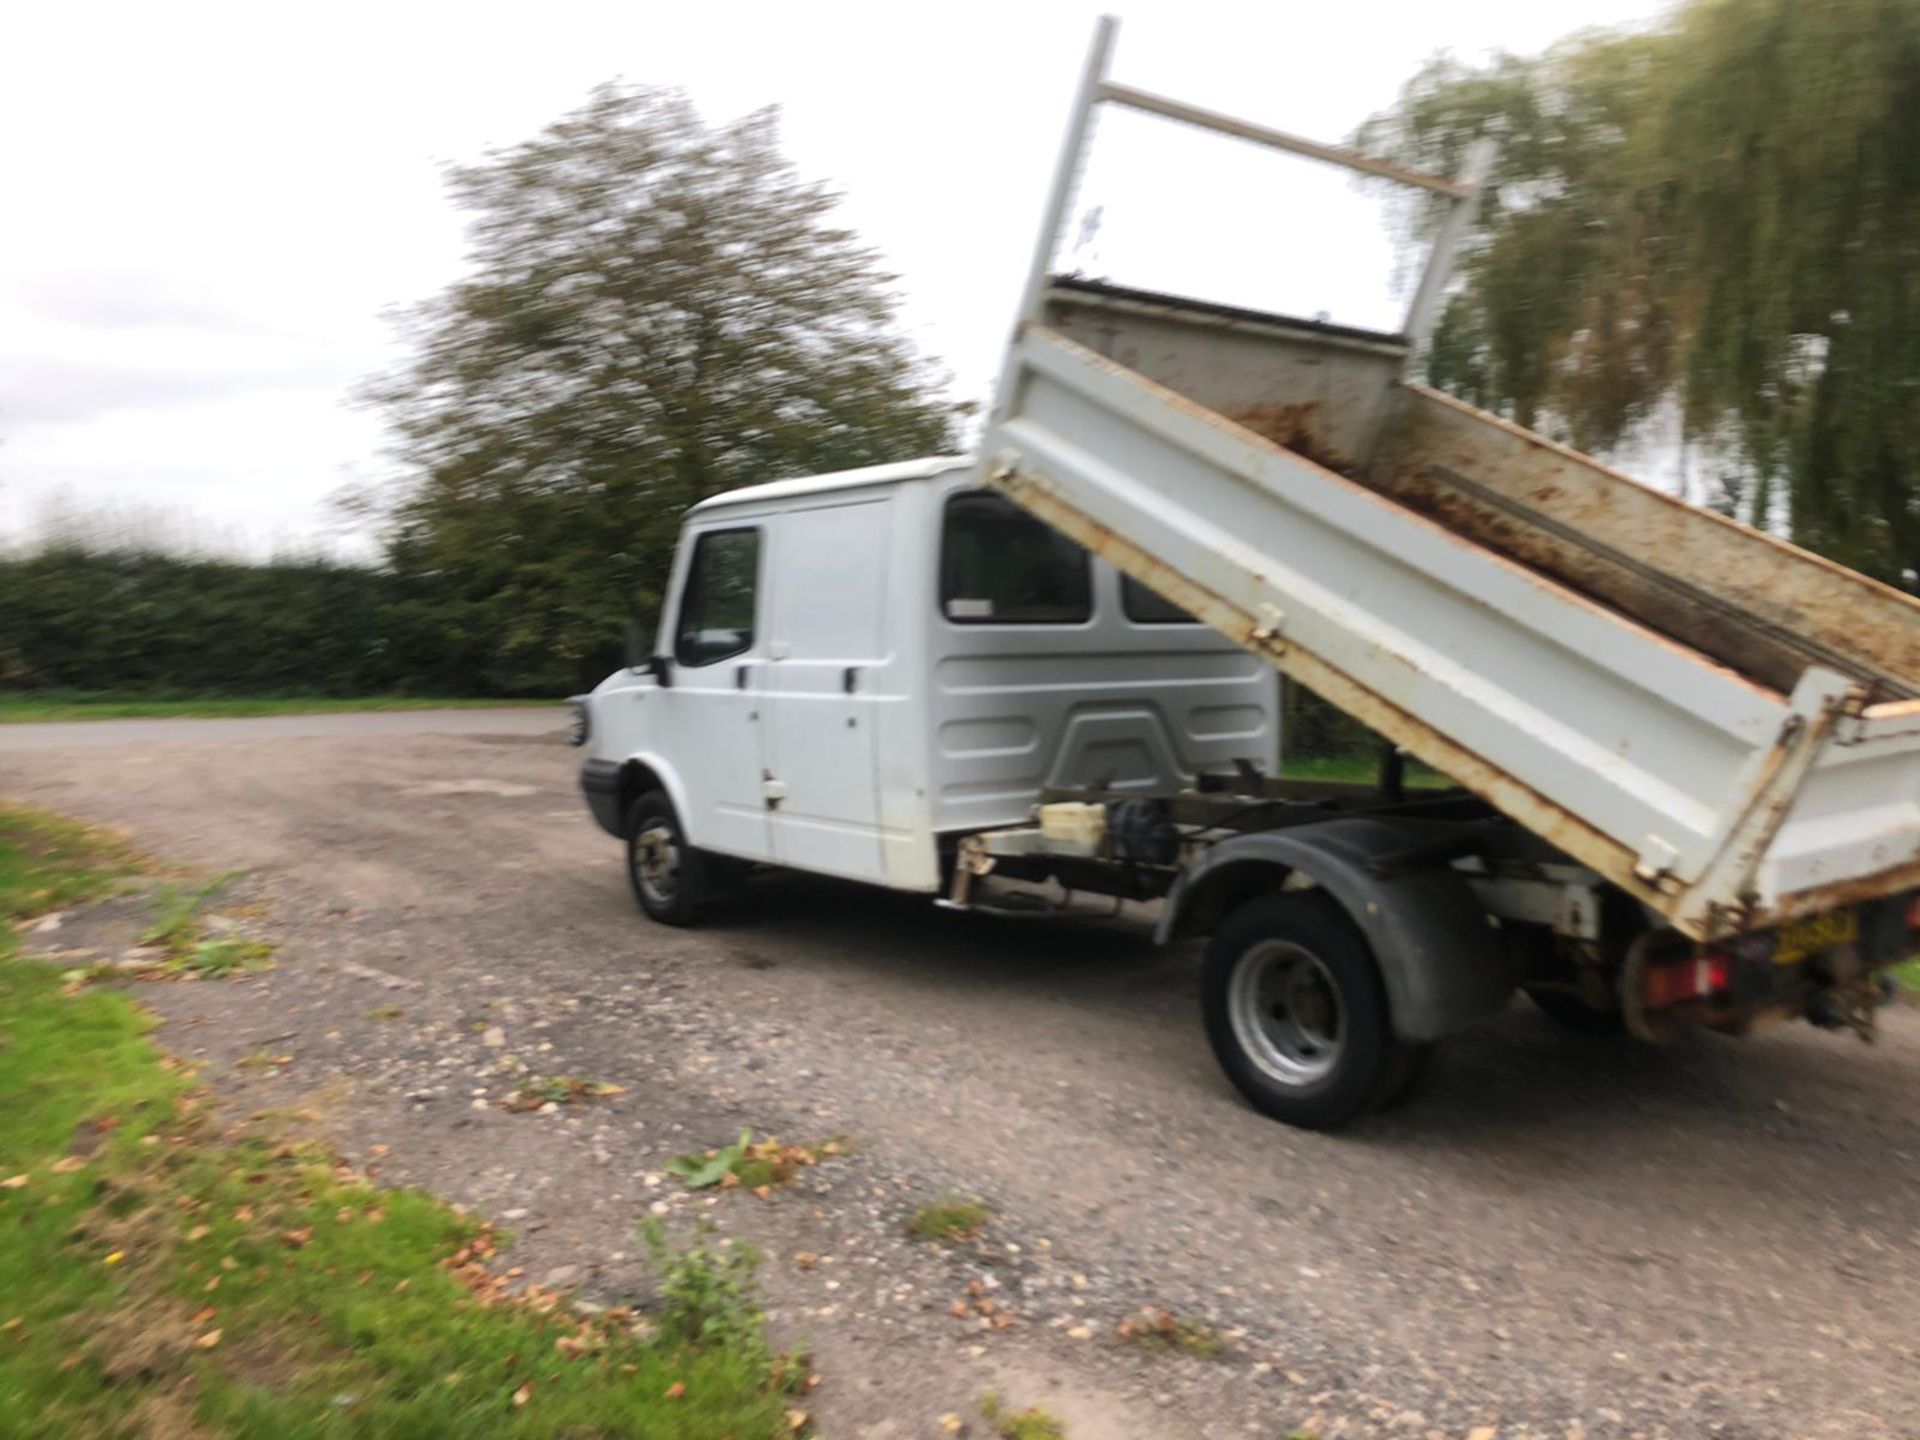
(1296, 1012)
(669, 877)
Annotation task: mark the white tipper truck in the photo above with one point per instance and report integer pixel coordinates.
(1684, 755)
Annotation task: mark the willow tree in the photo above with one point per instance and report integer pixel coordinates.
(656, 310)
(1718, 214)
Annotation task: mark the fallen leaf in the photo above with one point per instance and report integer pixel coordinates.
(953, 1424)
(115, 1257)
(523, 1394)
(676, 1390)
(297, 1238)
(1482, 1432)
(208, 1340)
(243, 1213)
(14, 1182)
(1079, 1332)
(797, 1420)
(199, 1232)
(202, 1315)
(69, 1164)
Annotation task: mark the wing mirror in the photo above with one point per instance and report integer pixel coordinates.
(640, 657)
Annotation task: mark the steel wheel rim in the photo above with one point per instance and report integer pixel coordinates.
(1285, 1011)
(656, 862)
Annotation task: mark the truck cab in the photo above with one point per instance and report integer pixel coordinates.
(854, 670)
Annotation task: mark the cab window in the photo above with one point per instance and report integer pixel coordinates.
(717, 602)
(1000, 566)
(1149, 607)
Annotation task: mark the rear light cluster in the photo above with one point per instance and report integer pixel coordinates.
(1913, 911)
(1706, 974)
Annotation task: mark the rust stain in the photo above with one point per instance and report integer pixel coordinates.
(1295, 428)
(1673, 612)
(1760, 605)
(1838, 894)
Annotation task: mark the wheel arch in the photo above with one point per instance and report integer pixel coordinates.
(1440, 956)
(643, 772)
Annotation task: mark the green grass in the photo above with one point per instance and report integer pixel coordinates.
(1907, 975)
(1162, 1332)
(949, 1222)
(48, 862)
(76, 705)
(165, 1273)
(751, 1164)
(1033, 1423)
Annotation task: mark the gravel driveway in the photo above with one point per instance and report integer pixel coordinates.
(1558, 1238)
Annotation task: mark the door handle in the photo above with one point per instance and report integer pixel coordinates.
(849, 678)
(740, 677)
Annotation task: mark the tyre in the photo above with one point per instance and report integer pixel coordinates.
(1403, 1079)
(669, 877)
(1570, 1012)
(1296, 1013)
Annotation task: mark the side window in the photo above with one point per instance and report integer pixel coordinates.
(1149, 607)
(1000, 566)
(717, 604)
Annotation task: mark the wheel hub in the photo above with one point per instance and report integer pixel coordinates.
(1285, 1011)
(656, 862)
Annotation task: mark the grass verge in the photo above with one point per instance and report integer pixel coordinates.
(166, 1274)
(48, 862)
(82, 705)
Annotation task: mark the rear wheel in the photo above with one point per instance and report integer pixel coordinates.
(669, 877)
(1296, 1012)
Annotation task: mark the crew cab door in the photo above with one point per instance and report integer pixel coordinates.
(827, 647)
(708, 716)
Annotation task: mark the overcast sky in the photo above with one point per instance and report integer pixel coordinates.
(210, 208)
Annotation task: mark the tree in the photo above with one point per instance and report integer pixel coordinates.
(1721, 213)
(657, 311)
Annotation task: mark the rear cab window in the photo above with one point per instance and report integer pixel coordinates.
(719, 598)
(1000, 566)
(1148, 607)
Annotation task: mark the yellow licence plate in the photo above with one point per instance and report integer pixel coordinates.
(1815, 933)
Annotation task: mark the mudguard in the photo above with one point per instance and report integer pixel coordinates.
(1443, 958)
